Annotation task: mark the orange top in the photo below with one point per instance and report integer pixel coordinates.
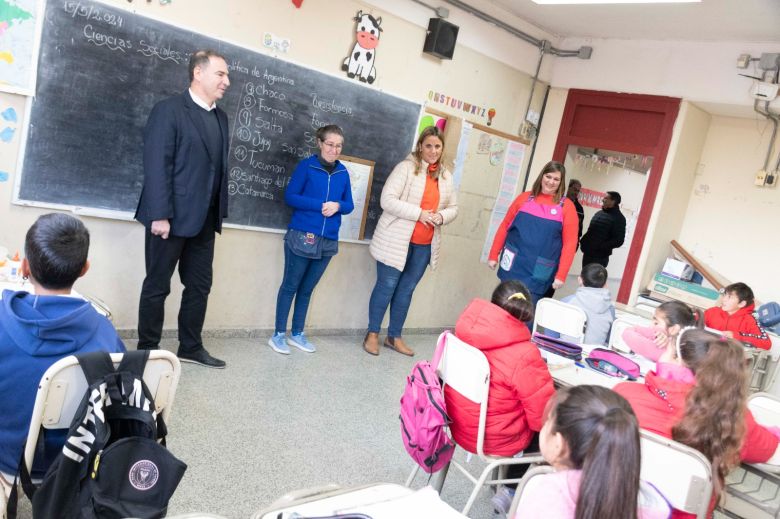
(423, 235)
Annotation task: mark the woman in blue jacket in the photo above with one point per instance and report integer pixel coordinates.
(319, 193)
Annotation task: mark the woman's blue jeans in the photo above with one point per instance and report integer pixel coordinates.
(395, 288)
(301, 275)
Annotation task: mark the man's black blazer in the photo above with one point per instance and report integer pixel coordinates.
(178, 172)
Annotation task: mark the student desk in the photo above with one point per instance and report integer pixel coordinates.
(567, 373)
(98, 305)
(379, 501)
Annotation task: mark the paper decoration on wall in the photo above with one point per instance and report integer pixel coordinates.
(591, 198)
(458, 104)
(7, 124)
(275, 42)
(491, 114)
(431, 120)
(360, 63)
(497, 147)
(297, 3)
(483, 145)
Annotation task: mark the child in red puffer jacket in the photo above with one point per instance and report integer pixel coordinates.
(520, 383)
(735, 318)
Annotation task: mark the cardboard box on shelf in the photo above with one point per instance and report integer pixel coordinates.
(677, 269)
(665, 287)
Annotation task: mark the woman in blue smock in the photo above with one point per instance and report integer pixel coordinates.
(537, 239)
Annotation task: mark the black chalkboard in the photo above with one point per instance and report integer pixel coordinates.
(101, 69)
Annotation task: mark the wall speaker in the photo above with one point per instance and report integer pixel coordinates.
(441, 37)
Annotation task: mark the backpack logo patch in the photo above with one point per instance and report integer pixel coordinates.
(143, 475)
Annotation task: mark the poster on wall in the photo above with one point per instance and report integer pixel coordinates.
(510, 177)
(591, 198)
(361, 175)
(20, 28)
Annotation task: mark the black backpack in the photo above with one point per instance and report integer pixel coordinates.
(111, 465)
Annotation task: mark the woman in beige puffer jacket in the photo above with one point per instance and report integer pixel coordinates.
(417, 199)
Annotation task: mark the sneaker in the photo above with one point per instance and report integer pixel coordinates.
(502, 500)
(278, 344)
(300, 342)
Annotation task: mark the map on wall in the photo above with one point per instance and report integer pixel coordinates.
(19, 25)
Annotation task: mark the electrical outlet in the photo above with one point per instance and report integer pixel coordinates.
(743, 61)
(760, 179)
(771, 179)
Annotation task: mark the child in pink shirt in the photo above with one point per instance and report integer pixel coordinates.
(591, 439)
(669, 318)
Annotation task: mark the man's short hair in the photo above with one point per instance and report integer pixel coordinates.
(575, 181)
(594, 275)
(200, 58)
(742, 291)
(56, 248)
(614, 195)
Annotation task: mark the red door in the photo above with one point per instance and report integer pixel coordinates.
(632, 123)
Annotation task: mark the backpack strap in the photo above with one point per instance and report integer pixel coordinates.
(439, 351)
(134, 362)
(95, 365)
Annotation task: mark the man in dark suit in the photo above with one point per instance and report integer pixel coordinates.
(607, 231)
(183, 202)
(573, 194)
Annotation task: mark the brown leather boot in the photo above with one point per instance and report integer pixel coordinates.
(399, 345)
(371, 343)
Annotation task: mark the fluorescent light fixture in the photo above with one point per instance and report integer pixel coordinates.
(583, 2)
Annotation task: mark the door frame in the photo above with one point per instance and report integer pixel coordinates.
(621, 106)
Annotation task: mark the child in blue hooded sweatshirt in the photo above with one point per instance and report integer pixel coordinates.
(37, 330)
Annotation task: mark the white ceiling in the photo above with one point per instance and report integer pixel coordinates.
(710, 20)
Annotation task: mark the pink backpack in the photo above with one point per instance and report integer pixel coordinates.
(424, 416)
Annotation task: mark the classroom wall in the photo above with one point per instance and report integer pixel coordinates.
(248, 264)
(730, 224)
(703, 72)
(674, 191)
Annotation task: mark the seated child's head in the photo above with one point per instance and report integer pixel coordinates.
(513, 296)
(593, 429)
(671, 317)
(55, 249)
(593, 275)
(713, 422)
(735, 297)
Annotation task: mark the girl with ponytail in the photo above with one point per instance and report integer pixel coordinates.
(669, 318)
(591, 439)
(698, 396)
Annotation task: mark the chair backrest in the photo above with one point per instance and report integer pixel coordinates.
(682, 474)
(532, 473)
(466, 370)
(63, 385)
(765, 408)
(620, 325)
(562, 317)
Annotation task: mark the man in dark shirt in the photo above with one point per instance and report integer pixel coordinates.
(572, 193)
(183, 203)
(607, 231)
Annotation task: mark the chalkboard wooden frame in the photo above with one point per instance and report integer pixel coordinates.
(41, 183)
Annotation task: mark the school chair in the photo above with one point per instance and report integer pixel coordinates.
(566, 319)
(63, 385)
(751, 492)
(466, 370)
(682, 474)
(763, 369)
(532, 473)
(620, 325)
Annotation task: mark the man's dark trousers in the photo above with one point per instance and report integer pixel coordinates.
(194, 256)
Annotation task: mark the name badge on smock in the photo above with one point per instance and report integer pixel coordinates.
(507, 258)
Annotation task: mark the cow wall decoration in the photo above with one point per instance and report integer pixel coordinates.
(360, 62)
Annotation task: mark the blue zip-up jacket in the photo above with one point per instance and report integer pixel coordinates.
(36, 332)
(310, 186)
